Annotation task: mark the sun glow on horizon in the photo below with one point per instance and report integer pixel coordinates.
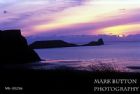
(120, 29)
(95, 11)
(121, 36)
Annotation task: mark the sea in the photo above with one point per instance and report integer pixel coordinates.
(113, 55)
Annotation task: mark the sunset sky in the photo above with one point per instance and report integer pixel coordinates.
(66, 17)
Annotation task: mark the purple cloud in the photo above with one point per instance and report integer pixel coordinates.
(86, 28)
(23, 14)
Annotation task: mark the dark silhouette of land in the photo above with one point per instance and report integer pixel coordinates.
(95, 43)
(51, 44)
(63, 81)
(61, 43)
(14, 48)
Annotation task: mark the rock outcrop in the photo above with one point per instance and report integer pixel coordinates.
(14, 48)
(51, 44)
(61, 43)
(95, 43)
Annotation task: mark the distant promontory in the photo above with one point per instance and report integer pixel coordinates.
(95, 43)
(61, 43)
(51, 44)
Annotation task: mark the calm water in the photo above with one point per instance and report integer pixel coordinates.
(119, 53)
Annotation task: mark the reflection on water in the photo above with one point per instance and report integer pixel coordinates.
(118, 55)
(80, 65)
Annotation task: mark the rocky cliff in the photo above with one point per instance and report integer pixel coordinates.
(14, 48)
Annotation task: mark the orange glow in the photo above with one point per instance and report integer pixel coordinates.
(43, 16)
(120, 29)
(97, 11)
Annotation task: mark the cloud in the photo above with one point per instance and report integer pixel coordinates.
(25, 13)
(67, 16)
(125, 21)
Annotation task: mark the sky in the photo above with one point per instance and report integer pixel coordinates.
(71, 17)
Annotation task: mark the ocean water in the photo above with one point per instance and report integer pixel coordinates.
(117, 53)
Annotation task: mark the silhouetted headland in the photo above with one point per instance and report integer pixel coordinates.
(61, 43)
(95, 43)
(51, 44)
(14, 48)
